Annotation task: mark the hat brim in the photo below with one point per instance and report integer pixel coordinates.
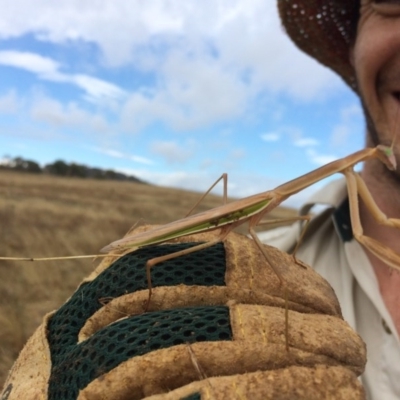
(324, 29)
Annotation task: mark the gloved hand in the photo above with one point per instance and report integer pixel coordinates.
(215, 329)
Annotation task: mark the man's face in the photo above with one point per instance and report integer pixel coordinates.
(376, 59)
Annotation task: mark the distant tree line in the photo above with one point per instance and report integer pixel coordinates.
(61, 168)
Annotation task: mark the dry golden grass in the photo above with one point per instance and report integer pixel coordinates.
(43, 216)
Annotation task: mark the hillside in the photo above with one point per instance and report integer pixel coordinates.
(42, 215)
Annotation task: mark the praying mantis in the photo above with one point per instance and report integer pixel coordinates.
(253, 208)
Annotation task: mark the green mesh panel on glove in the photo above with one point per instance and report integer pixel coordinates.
(74, 365)
(195, 396)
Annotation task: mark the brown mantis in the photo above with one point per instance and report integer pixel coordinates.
(253, 208)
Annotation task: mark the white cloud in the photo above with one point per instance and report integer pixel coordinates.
(204, 63)
(53, 112)
(348, 125)
(190, 94)
(6, 161)
(270, 137)
(354, 110)
(245, 39)
(306, 142)
(141, 160)
(297, 137)
(239, 185)
(237, 154)
(9, 103)
(172, 152)
(120, 154)
(47, 69)
(44, 67)
(96, 89)
(340, 134)
(199, 182)
(252, 39)
(320, 159)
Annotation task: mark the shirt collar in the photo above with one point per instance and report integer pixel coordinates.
(333, 195)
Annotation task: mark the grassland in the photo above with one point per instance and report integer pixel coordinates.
(42, 216)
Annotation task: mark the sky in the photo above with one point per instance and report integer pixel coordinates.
(175, 92)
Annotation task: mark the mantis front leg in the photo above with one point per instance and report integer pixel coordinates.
(356, 186)
(157, 260)
(223, 177)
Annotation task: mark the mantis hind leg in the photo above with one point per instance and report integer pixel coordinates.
(305, 218)
(261, 246)
(157, 260)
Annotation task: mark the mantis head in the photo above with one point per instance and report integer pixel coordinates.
(386, 155)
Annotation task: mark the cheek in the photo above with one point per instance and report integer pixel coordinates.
(377, 45)
(368, 56)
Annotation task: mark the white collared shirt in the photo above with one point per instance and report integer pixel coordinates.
(332, 251)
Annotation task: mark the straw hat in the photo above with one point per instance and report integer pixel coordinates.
(324, 29)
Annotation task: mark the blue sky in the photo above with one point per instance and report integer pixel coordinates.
(172, 91)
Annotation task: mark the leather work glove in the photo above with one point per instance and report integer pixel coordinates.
(215, 328)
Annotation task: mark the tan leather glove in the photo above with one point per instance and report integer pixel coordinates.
(215, 329)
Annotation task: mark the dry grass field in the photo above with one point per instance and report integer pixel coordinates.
(44, 216)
